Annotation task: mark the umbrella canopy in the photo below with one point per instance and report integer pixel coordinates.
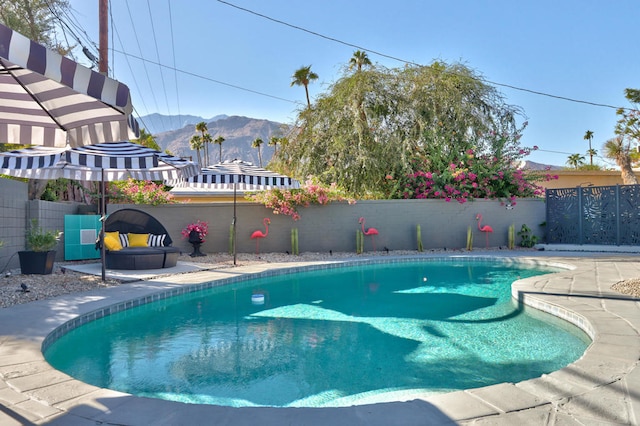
(108, 161)
(235, 175)
(49, 100)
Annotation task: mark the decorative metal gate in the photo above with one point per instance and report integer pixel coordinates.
(594, 215)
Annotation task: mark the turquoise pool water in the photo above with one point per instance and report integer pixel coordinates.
(336, 337)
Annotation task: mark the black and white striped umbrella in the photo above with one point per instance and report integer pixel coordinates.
(49, 100)
(109, 161)
(236, 175)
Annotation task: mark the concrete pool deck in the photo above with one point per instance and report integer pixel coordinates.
(602, 387)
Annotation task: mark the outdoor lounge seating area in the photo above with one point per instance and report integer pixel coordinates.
(136, 240)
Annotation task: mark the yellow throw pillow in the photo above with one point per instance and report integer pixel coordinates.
(115, 235)
(112, 243)
(138, 240)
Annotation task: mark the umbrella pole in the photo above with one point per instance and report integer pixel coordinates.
(103, 217)
(235, 184)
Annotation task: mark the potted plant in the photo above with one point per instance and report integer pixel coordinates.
(40, 253)
(195, 233)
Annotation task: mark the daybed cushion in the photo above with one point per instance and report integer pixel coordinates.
(135, 258)
(138, 240)
(135, 227)
(112, 243)
(156, 240)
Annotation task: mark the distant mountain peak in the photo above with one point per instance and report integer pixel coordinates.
(159, 123)
(238, 132)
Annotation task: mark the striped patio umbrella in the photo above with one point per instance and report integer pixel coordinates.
(109, 161)
(235, 175)
(49, 100)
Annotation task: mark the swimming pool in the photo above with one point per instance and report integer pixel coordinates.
(335, 337)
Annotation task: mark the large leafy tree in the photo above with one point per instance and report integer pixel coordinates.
(628, 124)
(35, 19)
(380, 122)
(303, 77)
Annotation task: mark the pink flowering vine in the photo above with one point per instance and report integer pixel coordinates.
(287, 201)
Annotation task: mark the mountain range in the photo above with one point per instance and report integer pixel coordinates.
(173, 133)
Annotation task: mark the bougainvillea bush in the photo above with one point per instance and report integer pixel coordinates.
(287, 201)
(472, 176)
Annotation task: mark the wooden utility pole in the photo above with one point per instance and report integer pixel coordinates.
(103, 12)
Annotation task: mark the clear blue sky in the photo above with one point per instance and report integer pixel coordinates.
(580, 49)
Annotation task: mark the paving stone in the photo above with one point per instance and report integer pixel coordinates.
(533, 416)
(62, 391)
(39, 380)
(507, 397)
(632, 383)
(551, 389)
(9, 396)
(461, 406)
(24, 369)
(34, 410)
(8, 417)
(608, 404)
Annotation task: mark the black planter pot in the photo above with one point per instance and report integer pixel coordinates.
(196, 250)
(37, 262)
(195, 241)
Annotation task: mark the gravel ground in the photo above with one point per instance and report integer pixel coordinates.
(64, 281)
(629, 287)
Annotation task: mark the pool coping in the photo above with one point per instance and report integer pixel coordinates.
(600, 386)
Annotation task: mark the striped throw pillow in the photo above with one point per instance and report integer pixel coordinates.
(124, 240)
(156, 240)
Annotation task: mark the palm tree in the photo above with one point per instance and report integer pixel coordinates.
(218, 141)
(257, 142)
(588, 136)
(302, 77)
(575, 160)
(273, 141)
(358, 60)
(196, 144)
(148, 140)
(202, 128)
(206, 141)
(619, 151)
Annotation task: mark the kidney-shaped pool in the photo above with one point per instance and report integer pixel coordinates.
(332, 337)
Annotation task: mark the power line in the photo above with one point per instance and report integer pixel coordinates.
(173, 53)
(209, 78)
(296, 27)
(144, 65)
(155, 41)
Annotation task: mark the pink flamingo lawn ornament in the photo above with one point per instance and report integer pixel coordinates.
(486, 229)
(259, 234)
(370, 231)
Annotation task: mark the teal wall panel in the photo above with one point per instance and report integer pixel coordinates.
(80, 233)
